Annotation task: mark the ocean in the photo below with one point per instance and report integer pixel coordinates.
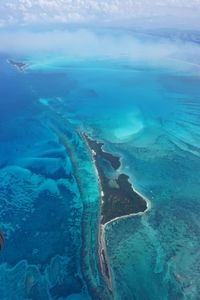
(148, 115)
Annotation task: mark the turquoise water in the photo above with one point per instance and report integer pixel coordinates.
(147, 114)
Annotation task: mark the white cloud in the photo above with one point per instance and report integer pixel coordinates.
(84, 43)
(98, 11)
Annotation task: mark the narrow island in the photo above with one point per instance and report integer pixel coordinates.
(118, 197)
(19, 65)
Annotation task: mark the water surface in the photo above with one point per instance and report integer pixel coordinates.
(149, 116)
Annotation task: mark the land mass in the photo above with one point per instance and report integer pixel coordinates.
(118, 198)
(97, 148)
(19, 65)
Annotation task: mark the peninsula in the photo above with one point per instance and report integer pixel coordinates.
(118, 197)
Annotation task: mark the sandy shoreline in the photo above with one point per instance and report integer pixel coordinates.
(102, 251)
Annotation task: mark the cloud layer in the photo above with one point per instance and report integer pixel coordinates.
(29, 12)
(112, 44)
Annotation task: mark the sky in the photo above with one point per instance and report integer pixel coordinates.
(105, 12)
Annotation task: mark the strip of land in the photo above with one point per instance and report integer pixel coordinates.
(118, 197)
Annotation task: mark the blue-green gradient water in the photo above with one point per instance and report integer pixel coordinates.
(49, 192)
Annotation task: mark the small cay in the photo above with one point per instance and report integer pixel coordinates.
(118, 197)
(19, 65)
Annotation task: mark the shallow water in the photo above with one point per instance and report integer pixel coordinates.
(49, 189)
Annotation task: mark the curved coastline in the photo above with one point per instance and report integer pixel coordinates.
(103, 255)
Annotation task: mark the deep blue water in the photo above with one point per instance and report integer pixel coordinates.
(41, 210)
(49, 193)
